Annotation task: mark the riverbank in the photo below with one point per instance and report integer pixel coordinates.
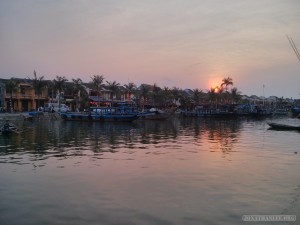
(12, 116)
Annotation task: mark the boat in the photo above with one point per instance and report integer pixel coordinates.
(120, 113)
(280, 126)
(8, 128)
(295, 110)
(156, 114)
(258, 111)
(280, 112)
(207, 111)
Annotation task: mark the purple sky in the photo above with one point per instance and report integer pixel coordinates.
(182, 43)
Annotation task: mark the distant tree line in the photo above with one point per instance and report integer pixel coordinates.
(144, 95)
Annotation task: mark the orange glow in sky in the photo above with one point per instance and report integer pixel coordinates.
(215, 82)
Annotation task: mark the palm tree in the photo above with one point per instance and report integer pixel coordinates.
(11, 86)
(156, 94)
(144, 94)
(59, 85)
(50, 86)
(96, 82)
(212, 95)
(114, 88)
(176, 94)
(38, 84)
(220, 90)
(235, 95)
(131, 88)
(197, 95)
(226, 82)
(185, 101)
(77, 88)
(167, 96)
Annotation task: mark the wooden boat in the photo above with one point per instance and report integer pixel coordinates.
(280, 126)
(112, 114)
(156, 114)
(8, 128)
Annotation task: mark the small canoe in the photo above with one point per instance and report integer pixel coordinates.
(280, 126)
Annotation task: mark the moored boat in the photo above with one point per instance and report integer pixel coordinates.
(281, 126)
(156, 114)
(120, 113)
(98, 117)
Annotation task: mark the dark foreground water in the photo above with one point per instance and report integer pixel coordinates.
(180, 171)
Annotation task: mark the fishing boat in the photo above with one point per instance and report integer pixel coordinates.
(8, 128)
(156, 114)
(280, 126)
(120, 113)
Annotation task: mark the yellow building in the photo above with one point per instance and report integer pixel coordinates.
(24, 97)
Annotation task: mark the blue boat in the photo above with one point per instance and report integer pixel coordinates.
(120, 113)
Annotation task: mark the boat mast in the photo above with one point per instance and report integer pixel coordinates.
(294, 47)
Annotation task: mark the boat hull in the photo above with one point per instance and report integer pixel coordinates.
(98, 118)
(153, 116)
(279, 126)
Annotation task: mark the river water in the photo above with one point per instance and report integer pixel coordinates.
(179, 171)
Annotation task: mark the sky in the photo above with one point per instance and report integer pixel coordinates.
(174, 43)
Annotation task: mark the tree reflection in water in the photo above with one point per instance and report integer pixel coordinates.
(216, 134)
(46, 138)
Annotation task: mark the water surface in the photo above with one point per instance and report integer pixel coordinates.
(180, 171)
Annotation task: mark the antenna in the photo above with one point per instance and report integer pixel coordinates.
(294, 47)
